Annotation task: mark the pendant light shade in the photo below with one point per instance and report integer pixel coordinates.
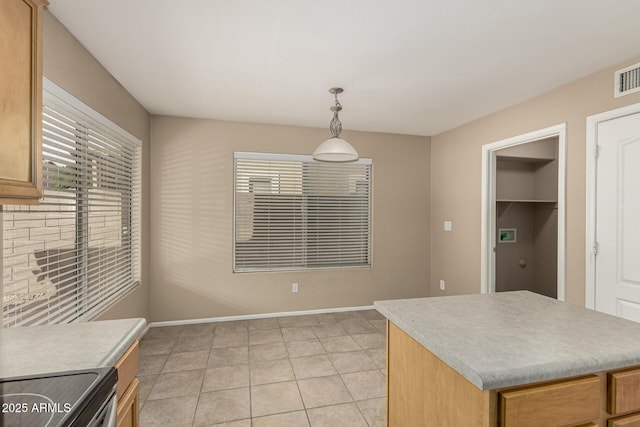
(335, 149)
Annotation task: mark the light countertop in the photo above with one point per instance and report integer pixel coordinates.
(513, 338)
(57, 348)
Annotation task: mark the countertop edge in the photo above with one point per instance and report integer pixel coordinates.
(134, 334)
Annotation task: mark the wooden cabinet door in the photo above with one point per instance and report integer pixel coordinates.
(628, 421)
(127, 368)
(127, 389)
(128, 406)
(21, 101)
(624, 391)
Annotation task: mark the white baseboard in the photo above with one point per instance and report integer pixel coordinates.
(255, 316)
(146, 329)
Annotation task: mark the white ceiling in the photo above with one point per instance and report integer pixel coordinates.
(407, 66)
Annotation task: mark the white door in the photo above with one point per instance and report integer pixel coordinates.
(617, 263)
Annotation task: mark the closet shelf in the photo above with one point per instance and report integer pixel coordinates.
(526, 201)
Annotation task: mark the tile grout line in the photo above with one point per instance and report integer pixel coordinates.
(159, 372)
(195, 411)
(355, 402)
(279, 328)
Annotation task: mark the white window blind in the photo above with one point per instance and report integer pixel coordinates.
(292, 212)
(75, 253)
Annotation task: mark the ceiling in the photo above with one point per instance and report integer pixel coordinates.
(416, 67)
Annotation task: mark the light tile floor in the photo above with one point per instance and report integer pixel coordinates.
(313, 370)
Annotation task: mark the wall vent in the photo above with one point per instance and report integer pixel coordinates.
(627, 81)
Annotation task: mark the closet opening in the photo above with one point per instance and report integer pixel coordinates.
(523, 214)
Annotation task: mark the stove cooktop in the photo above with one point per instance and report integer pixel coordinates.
(57, 399)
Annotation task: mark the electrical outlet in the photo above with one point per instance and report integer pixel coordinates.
(294, 288)
(447, 225)
(442, 285)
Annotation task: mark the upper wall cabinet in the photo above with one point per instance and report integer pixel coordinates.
(21, 101)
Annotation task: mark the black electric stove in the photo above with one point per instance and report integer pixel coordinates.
(57, 399)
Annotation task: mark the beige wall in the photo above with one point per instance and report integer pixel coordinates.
(191, 222)
(68, 64)
(456, 178)
(418, 183)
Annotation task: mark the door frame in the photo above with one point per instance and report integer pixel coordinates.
(488, 200)
(591, 196)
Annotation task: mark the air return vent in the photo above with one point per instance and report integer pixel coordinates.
(627, 81)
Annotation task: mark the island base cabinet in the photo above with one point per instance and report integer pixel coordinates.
(422, 390)
(501, 360)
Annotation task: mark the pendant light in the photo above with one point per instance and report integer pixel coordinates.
(335, 149)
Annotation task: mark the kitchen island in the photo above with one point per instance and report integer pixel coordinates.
(509, 359)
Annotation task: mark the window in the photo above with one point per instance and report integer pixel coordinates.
(78, 251)
(293, 213)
